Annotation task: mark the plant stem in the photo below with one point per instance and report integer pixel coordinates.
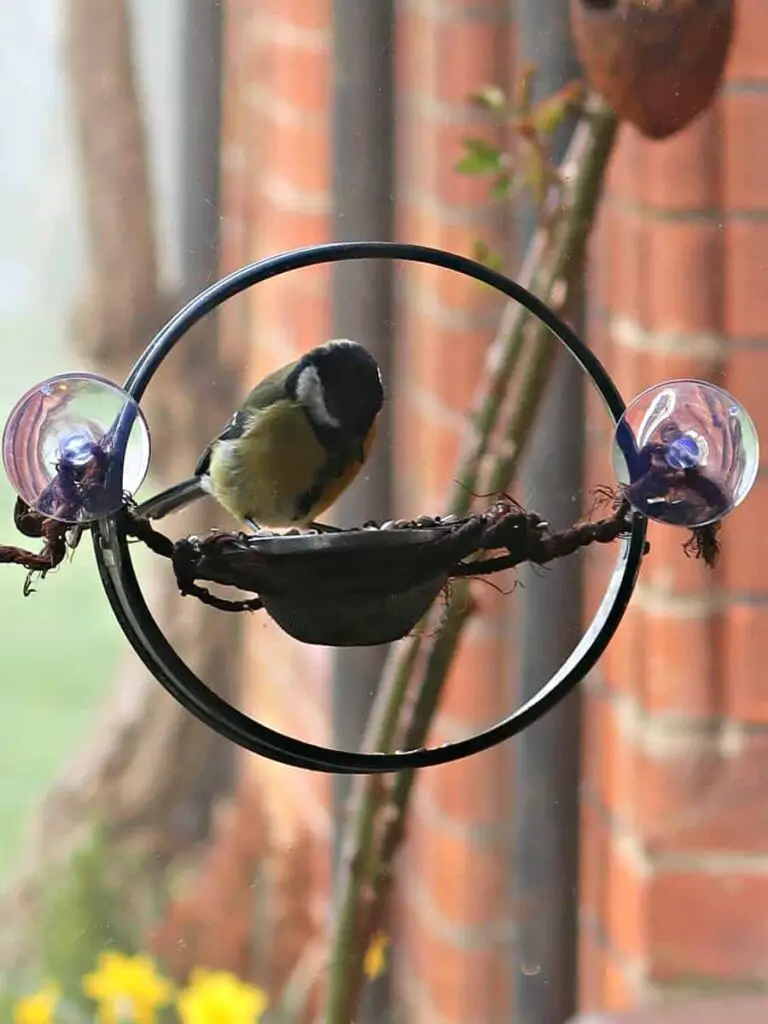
(555, 255)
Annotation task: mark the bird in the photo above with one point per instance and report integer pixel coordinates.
(293, 447)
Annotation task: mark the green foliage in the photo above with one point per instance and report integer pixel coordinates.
(83, 911)
(483, 253)
(528, 167)
(481, 157)
(550, 113)
(7, 1001)
(490, 97)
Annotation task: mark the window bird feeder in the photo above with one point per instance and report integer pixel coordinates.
(76, 447)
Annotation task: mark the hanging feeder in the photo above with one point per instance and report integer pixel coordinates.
(657, 63)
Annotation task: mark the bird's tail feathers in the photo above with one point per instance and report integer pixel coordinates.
(172, 499)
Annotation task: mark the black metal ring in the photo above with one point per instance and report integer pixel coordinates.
(122, 588)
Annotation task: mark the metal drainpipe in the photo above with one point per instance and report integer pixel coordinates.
(201, 69)
(362, 292)
(546, 840)
(200, 85)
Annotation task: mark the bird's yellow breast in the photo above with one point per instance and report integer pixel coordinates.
(262, 475)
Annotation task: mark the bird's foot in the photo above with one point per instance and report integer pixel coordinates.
(324, 528)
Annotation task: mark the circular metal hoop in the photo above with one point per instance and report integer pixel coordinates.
(127, 601)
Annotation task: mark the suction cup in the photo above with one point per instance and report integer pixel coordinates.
(75, 447)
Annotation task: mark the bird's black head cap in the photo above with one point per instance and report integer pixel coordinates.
(339, 386)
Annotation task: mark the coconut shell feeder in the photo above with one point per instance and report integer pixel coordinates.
(658, 63)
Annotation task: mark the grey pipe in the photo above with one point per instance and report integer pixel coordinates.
(546, 841)
(363, 172)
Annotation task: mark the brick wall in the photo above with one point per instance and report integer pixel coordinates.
(674, 829)
(675, 890)
(275, 190)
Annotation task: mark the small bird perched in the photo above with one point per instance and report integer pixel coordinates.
(295, 444)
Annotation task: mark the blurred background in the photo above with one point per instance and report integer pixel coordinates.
(611, 861)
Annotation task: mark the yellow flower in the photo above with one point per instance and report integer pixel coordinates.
(376, 956)
(127, 988)
(217, 997)
(38, 1008)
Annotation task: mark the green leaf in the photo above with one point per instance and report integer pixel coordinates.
(490, 97)
(481, 157)
(548, 114)
(490, 258)
(503, 185)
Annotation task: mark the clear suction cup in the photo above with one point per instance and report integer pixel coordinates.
(75, 447)
(686, 452)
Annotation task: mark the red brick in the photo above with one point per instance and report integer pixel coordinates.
(448, 360)
(301, 312)
(433, 446)
(288, 317)
(597, 470)
(748, 58)
(655, 796)
(705, 924)
(466, 881)
(744, 151)
(463, 983)
(723, 811)
(705, 364)
(474, 791)
(618, 993)
(746, 693)
(684, 173)
(623, 664)
(626, 169)
(620, 765)
(745, 543)
(688, 798)
(746, 297)
(684, 285)
(309, 15)
(478, 693)
(681, 674)
(632, 371)
(745, 378)
(302, 79)
(412, 41)
(302, 153)
(468, 54)
(670, 572)
(258, 60)
(626, 242)
(281, 229)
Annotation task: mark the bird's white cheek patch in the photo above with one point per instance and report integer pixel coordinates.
(309, 392)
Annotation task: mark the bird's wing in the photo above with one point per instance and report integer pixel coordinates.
(266, 392)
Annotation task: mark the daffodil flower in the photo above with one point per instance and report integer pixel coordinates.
(38, 1008)
(127, 988)
(217, 997)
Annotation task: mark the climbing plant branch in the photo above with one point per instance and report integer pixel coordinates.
(566, 197)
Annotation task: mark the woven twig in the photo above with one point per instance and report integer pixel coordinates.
(245, 562)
